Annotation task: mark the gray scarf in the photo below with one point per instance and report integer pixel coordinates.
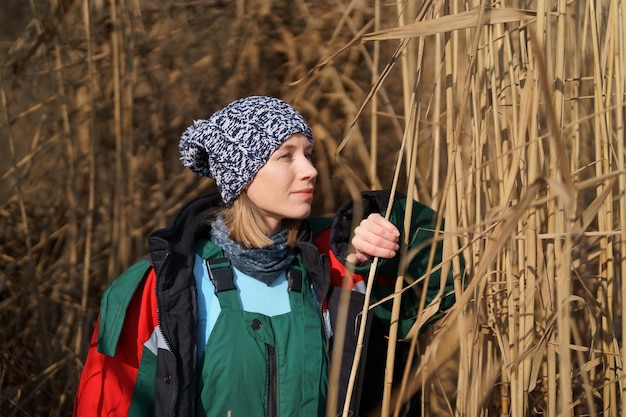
(264, 264)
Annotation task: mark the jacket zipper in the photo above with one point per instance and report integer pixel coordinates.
(174, 399)
(271, 386)
(325, 330)
(323, 259)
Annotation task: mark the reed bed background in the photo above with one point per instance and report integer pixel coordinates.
(506, 117)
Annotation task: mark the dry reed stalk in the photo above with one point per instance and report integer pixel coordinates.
(340, 331)
(412, 128)
(456, 118)
(85, 135)
(620, 103)
(374, 101)
(607, 222)
(564, 216)
(119, 197)
(605, 272)
(71, 155)
(563, 209)
(368, 292)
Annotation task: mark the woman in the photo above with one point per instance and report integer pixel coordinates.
(231, 314)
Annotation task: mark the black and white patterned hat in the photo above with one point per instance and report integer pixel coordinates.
(236, 141)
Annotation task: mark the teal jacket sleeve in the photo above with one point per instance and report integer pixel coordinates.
(115, 301)
(421, 239)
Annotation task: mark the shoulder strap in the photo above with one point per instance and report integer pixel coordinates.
(294, 277)
(221, 274)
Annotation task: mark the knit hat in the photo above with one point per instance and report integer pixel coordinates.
(236, 141)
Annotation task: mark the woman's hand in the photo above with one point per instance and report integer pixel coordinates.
(374, 236)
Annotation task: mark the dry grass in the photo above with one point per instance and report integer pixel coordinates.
(509, 122)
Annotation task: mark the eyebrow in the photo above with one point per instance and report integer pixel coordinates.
(290, 146)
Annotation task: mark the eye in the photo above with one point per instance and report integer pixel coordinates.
(309, 156)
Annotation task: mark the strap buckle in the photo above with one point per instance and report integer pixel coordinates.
(221, 274)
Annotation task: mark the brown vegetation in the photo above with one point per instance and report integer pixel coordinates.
(509, 122)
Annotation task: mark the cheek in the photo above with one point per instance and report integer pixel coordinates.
(270, 183)
(263, 190)
(274, 181)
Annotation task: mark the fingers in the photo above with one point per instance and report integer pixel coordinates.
(357, 258)
(374, 236)
(376, 219)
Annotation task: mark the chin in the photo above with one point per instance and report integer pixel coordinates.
(301, 215)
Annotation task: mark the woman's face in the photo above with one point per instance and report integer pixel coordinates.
(283, 188)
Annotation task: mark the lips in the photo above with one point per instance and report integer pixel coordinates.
(306, 193)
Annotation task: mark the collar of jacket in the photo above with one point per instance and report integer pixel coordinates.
(317, 265)
(172, 255)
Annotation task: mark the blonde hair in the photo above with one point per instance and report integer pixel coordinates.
(248, 226)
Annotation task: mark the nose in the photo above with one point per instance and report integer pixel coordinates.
(307, 169)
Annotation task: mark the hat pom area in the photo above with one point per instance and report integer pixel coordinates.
(193, 153)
